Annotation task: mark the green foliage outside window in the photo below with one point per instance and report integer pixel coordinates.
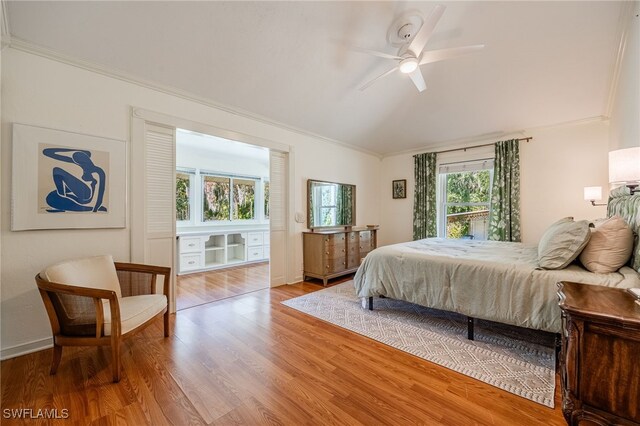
(216, 204)
(244, 193)
(182, 197)
(466, 187)
(266, 199)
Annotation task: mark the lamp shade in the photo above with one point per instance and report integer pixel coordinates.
(624, 165)
(592, 193)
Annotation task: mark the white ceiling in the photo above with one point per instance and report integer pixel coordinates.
(544, 62)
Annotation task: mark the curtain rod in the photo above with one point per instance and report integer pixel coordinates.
(478, 146)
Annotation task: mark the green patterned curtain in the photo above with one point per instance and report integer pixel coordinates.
(344, 204)
(504, 219)
(424, 199)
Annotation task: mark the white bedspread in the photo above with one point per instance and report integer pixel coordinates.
(489, 280)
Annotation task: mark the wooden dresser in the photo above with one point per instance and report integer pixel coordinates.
(332, 253)
(600, 358)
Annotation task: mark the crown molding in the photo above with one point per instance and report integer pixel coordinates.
(463, 143)
(624, 23)
(34, 49)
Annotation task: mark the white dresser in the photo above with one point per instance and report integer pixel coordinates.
(201, 251)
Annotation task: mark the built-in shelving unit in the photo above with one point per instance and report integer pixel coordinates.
(199, 251)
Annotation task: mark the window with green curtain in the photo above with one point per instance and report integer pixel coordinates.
(504, 219)
(465, 198)
(424, 198)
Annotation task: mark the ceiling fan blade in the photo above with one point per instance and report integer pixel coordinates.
(366, 85)
(422, 37)
(442, 54)
(418, 80)
(374, 52)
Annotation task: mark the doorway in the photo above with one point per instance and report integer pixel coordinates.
(222, 218)
(153, 184)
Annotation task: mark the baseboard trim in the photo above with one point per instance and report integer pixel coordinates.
(26, 348)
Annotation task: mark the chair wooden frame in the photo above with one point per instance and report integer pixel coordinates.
(116, 337)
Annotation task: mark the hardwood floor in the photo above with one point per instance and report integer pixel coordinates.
(251, 360)
(205, 287)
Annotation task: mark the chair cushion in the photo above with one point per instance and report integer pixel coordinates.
(97, 272)
(134, 311)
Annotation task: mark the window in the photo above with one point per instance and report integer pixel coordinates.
(266, 199)
(216, 203)
(244, 194)
(228, 198)
(183, 196)
(465, 194)
(325, 215)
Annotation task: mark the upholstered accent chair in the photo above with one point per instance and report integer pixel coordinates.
(95, 301)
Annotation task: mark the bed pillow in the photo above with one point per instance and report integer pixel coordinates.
(562, 242)
(609, 247)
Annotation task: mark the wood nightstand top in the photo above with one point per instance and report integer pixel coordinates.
(614, 305)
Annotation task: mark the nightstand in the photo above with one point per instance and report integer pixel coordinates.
(600, 358)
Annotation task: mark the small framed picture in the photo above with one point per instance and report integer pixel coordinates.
(399, 188)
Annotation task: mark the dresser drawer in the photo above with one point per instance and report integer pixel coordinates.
(335, 265)
(190, 244)
(366, 245)
(254, 239)
(335, 251)
(365, 236)
(353, 261)
(266, 251)
(190, 261)
(334, 239)
(255, 253)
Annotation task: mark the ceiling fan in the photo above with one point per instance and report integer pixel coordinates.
(411, 33)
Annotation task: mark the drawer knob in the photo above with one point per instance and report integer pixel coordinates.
(191, 245)
(191, 262)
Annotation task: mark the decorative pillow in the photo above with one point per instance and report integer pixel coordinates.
(562, 242)
(609, 247)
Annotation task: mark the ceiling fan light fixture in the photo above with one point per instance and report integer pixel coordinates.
(408, 65)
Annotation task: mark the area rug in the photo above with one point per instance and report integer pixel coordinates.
(517, 360)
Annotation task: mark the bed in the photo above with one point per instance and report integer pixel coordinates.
(491, 280)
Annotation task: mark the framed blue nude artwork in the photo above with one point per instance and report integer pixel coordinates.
(65, 180)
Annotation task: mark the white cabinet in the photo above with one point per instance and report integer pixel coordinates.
(190, 253)
(266, 248)
(254, 239)
(255, 253)
(220, 249)
(190, 244)
(190, 262)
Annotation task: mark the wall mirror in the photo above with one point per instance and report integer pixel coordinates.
(331, 204)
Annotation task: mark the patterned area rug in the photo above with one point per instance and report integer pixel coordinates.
(517, 360)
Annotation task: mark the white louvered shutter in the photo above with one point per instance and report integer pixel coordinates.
(159, 195)
(278, 216)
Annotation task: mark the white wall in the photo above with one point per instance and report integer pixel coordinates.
(48, 93)
(625, 115)
(216, 154)
(555, 167)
